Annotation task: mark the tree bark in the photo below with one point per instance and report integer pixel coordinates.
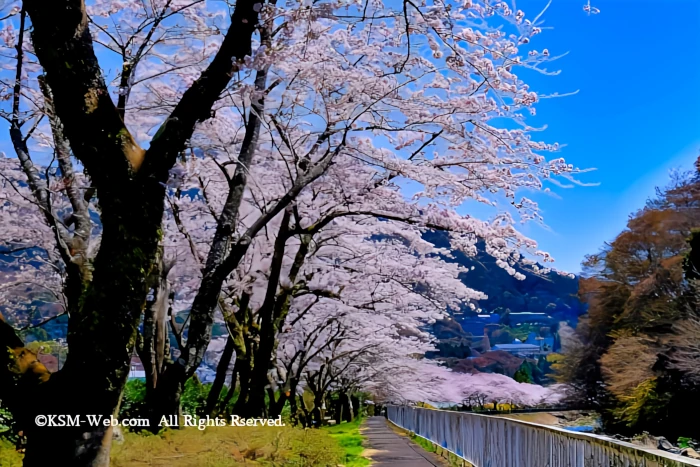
(231, 389)
(317, 412)
(293, 406)
(246, 367)
(352, 408)
(202, 312)
(154, 351)
(339, 409)
(164, 399)
(212, 406)
(268, 332)
(80, 217)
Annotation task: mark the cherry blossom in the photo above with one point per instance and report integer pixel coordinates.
(298, 205)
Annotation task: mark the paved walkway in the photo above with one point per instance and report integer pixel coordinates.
(388, 449)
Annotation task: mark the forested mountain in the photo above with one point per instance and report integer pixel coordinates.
(550, 293)
(28, 296)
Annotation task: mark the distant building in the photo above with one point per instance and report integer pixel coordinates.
(137, 371)
(476, 326)
(523, 350)
(529, 318)
(546, 344)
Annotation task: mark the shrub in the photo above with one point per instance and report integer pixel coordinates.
(194, 397)
(8, 429)
(134, 400)
(9, 457)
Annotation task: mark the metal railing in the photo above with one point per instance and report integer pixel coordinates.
(488, 441)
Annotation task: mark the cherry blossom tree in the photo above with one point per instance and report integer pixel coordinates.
(289, 118)
(425, 381)
(375, 297)
(302, 132)
(31, 268)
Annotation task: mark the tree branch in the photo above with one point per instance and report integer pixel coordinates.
(81, 215)
(97, 133)
(197, 102)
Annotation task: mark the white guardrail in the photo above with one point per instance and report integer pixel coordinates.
(488, 441)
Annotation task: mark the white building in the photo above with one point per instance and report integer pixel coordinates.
(524, 350)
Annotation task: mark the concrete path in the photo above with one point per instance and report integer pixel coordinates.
(388, 449)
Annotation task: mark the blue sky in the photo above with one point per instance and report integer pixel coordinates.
(636, 116)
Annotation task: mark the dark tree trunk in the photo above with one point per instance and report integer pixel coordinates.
(271, 315)
(317, 413)
(276, 406)
(244, 377)
(307, 418)
(212, 407)
(154, 350)
(339, 412)
(164, 399)
(232, 389)
(91, 381)
(293, 406)
(255, 406)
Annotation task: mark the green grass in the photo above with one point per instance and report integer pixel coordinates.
(224, 447)
(452, 459)
(8, 455)
(348, 437)
(229, 447)
(424, 443)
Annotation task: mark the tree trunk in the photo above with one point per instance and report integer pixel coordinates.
(212, 407)
(164, 399)
(255, 406)
(101, 337)
(317, 416)
(244, 377)
(318, 412)
(276, 406)
(307, 419)
(153, 352)
(293, 406)
(354, 403)
(340, 405)
(231, 390)
(271, 317)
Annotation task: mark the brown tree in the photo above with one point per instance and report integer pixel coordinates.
(636, 291)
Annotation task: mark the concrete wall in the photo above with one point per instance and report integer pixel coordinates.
(487, 441)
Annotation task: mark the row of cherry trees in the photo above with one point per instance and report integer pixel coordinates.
(295, 154)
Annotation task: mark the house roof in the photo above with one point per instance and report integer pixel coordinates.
(136, 363)
(516, 347)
